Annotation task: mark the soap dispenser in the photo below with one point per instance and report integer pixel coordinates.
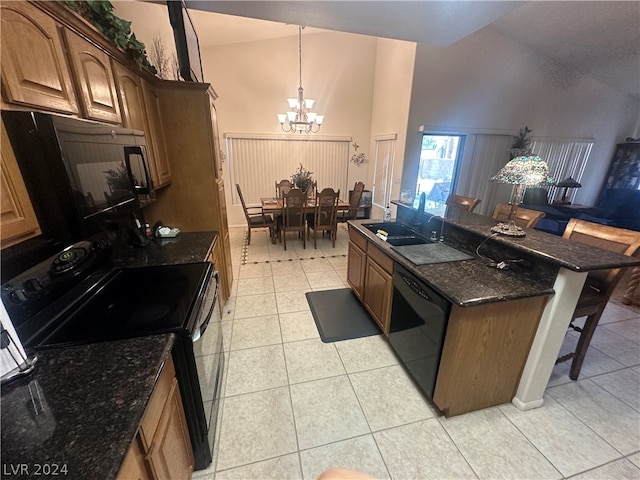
(387, 214)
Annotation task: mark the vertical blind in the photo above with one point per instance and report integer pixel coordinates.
(385, 152)
(486, 154)
(257, 162)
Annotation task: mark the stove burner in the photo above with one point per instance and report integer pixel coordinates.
(150, 313)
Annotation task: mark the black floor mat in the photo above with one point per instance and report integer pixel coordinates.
(339, 315)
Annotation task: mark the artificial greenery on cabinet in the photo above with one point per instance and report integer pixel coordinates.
(100, 14)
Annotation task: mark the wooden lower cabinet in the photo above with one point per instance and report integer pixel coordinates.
(356, 263)
(378, 287)
(485, 349)
(134, 467)
(370, 274)
(162, 448)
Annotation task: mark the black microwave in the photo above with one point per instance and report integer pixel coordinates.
(80, 175)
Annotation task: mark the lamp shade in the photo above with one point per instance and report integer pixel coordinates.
(569, 183)
(527, 170)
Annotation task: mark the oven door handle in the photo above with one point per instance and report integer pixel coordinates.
(204, 322)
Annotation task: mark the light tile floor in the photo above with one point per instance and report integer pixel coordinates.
(294, 406)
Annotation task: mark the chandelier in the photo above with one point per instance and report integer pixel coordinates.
(300, 118)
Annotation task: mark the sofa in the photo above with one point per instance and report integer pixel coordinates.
(618, 207)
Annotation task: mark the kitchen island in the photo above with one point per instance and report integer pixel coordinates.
(539, 264)
(78, 412)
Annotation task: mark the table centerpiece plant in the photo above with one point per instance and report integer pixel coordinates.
(302, 178)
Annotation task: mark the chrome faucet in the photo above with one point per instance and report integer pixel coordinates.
(434, 236)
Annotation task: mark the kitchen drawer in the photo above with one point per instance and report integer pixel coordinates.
(381, 258)
(358, 239)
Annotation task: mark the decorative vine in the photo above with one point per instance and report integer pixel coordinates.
(100, 14)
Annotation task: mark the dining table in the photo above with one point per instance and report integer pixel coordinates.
(273, 206)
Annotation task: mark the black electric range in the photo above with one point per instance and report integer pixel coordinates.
(76, 297)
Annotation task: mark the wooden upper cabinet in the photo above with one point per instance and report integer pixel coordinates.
(152, 102)
(35, 72)
(132, 108)
(17, 219)
(92, 69)
(130, 97)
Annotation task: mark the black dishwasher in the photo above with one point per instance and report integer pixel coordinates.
(418, 324)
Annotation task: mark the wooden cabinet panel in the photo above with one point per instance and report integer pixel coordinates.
(196, 199)
(356, 262)
(134, 114)
(168, 457)
(217, 151)
(92, 69)
(34, 67)
(17, 219)
(162, 447)
(134, 467)
(378, 289)
(156, 405)
(161, 170)
(370, 274)
(130, 97)
(223, 230)
(485, 349)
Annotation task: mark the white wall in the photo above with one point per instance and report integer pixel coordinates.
(391, 99)
(487, 82)
(254, 79)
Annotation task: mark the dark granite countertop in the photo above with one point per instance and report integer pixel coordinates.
(552, 248)
(77, 413)
(187, 247)
(467, 282)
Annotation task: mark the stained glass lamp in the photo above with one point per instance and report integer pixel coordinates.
(522, 171)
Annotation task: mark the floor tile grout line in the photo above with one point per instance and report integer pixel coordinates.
(595, 376)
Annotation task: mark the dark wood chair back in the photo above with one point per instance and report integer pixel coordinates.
(282, 187)
(293, 217)
(599, 284)
(354, 203)
(524, 217)
(255, 217)
(463, 203)
(324, 217)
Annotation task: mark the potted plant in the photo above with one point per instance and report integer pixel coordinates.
(302, 178)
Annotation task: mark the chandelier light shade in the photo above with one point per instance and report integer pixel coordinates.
(300, 118)
(522, 171)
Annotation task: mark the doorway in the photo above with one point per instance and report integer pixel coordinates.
(440, 155)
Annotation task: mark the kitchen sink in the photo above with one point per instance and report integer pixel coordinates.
(393, 229)
(398, 241)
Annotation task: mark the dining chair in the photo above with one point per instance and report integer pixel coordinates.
(293, 216)
(282, 187)
(599, 284)
(354, 203)
(524, 217)
(256, 218)
(463, 203)
(324, 216)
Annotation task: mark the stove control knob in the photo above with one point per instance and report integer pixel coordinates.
(33, 285)
(18, 296)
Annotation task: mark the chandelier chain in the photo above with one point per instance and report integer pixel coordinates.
(300, 118)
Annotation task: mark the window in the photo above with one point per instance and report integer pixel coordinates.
(438, 165)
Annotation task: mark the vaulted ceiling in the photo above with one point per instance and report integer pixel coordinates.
(597, 38)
